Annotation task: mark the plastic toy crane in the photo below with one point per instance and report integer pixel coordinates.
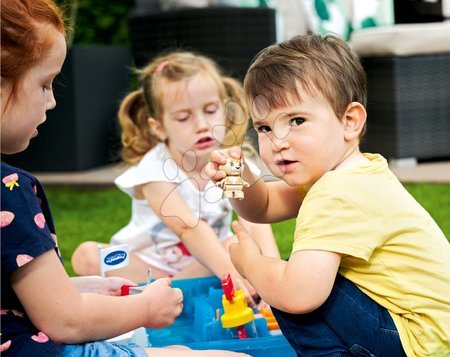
(236, 311)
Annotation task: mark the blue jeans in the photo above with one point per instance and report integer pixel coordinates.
(102, 349)
(348, 323)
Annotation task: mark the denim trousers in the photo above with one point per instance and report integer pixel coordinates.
(102, 349)
(349, 323)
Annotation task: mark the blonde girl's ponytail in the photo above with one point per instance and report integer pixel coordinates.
(136, 136)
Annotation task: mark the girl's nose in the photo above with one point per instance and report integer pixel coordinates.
(51, 102)
(202, 123)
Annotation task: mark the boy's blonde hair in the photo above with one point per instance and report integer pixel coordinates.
(324, 64)
(138, 106)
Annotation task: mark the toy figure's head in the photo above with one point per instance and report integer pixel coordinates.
(233, 167)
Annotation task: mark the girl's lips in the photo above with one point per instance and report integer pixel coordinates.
(204, 143)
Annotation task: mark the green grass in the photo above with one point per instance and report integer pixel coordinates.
(82, 214)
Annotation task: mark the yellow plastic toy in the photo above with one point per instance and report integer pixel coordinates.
(236, 311)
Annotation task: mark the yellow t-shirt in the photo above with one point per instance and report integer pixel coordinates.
(392, 249)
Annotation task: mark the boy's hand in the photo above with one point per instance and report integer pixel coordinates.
(219, 157)
(241, 252)
(162, 303)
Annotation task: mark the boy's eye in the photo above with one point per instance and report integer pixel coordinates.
(47, 87)
(263, 129)
(297, 121)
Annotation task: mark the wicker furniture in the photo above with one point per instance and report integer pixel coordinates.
(408, 106)
(408, 78)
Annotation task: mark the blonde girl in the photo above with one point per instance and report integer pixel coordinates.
(180, 226)
(43, 311)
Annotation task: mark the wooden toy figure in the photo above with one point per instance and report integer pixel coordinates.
(233, 184)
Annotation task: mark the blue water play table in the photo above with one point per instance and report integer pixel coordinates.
(199, 326)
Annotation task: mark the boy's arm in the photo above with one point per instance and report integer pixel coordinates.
(263, 235)
(264, 202)
(298, 286)
(58, 310)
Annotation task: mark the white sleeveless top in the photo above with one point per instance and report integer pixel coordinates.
(146, 235)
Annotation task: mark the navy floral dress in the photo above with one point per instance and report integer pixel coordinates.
(27, 231)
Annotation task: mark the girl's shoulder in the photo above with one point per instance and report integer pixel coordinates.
(155, 166)
(11, 175)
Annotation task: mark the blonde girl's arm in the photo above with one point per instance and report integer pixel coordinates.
(96, 284)
(198, 237)
(264, 202)
(66, 316)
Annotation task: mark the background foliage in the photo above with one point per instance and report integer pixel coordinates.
(98, 22)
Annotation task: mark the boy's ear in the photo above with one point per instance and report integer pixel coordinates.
(157, 128)
(354, 120)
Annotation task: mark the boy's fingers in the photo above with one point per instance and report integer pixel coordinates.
(240, 231)
(236, 152)
(218, 157)
(213, 172)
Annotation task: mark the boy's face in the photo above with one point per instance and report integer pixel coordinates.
(301, 142)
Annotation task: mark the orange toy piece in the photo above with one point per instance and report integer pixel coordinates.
(272, 323)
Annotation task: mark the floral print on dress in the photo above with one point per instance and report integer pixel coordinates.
(10, 181)
(6, 218)
(55, 239)
(17, 313)
(40, 337)
(27, 232)
(5, 346)
(39, 219)
(23, 259)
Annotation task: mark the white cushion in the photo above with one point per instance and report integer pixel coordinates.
(402, 40)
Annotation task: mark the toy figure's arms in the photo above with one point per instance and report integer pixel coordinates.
(221, 183)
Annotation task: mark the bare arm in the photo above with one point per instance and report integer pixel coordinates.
(263, 235)
(264, 202)
(56, 308)
(96, 284)
(198, 237)
(298, 286)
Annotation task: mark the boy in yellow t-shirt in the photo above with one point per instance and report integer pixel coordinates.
(369, 272)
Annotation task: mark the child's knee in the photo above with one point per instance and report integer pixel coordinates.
(85, 259)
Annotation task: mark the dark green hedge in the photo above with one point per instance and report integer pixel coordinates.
(98, 21)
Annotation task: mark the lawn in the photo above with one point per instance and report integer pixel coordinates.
(82, 214)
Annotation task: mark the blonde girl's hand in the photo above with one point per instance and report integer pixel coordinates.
(104, 286)
(162, 303)
(113, 285)
(219, 157)
(240, 283)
